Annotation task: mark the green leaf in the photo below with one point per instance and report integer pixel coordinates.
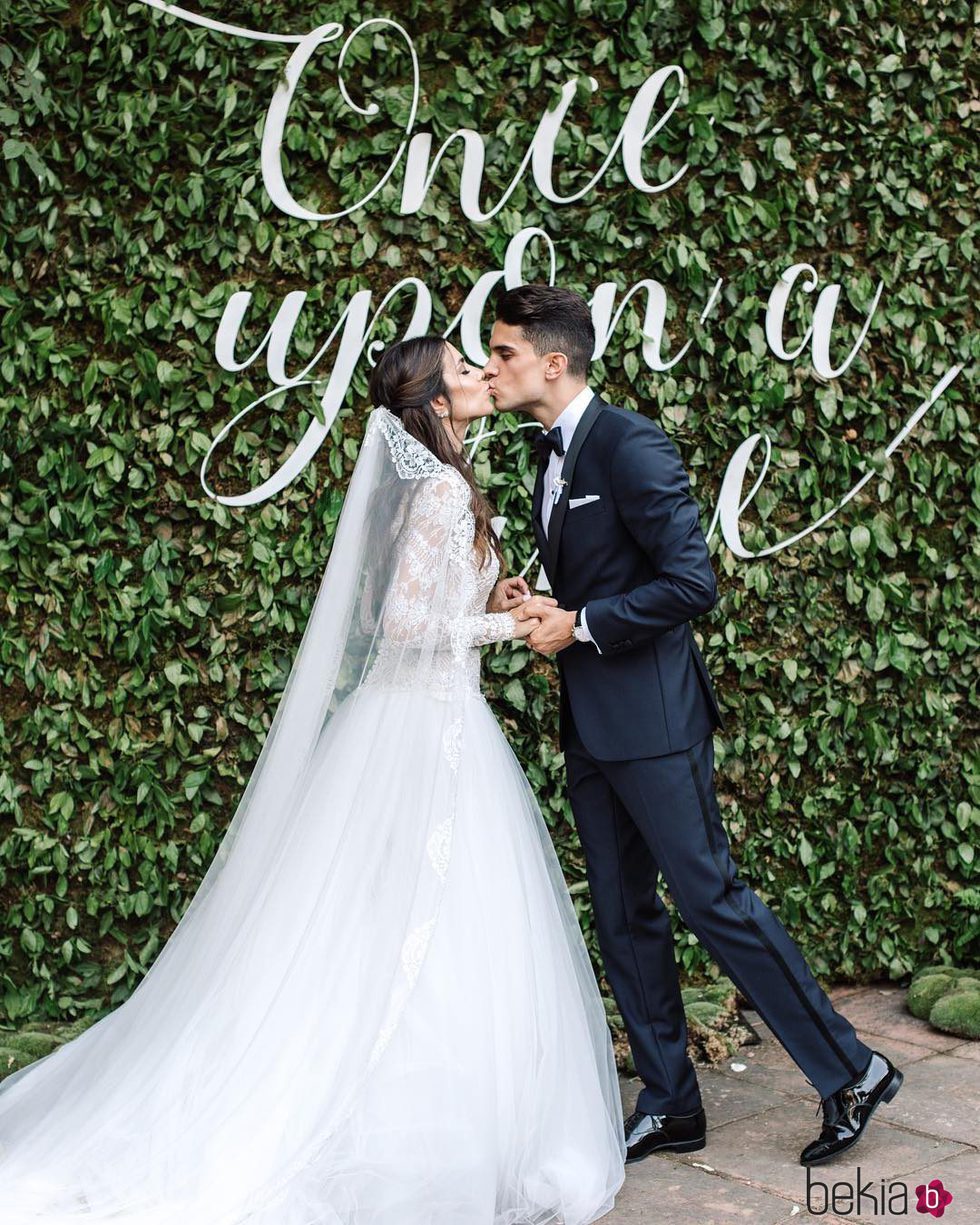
(711, 30)
(875, 604)
(860, 539)
(781, 151)
(514, 693)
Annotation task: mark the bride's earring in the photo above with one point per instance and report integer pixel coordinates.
(442, 415)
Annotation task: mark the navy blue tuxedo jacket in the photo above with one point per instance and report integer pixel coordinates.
(638, 561)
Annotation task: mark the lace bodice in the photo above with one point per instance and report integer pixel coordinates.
(435, 617)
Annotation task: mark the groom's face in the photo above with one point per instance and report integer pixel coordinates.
(515, 372)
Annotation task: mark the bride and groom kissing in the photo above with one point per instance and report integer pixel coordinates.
(378, 1006)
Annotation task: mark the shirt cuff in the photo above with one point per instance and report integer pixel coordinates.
(585, 627)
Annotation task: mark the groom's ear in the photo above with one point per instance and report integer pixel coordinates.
(555, 365)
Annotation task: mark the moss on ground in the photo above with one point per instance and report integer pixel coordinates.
(948, 997)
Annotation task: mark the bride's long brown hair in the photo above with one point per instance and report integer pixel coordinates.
(407, 378)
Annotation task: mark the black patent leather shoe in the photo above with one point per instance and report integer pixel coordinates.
(847, 1112)
(656, 1133)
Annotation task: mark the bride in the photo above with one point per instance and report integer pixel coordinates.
(378, 1008)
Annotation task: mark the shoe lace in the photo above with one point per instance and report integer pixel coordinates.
(830, 1110)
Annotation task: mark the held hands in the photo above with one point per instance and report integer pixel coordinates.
(546, 627)
(525, 628)
(507, 595)
(553, 631)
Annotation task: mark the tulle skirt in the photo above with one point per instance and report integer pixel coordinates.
(490, 1096)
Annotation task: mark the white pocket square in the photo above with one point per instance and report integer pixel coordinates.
(591, 497)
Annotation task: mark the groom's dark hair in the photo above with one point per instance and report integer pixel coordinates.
(552, 320)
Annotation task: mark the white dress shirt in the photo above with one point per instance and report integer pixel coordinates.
(566, 421)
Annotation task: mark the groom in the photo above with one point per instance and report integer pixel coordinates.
(621, 543)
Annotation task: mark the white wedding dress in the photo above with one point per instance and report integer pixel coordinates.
(378, 1008)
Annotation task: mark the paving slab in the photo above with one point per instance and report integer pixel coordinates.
(725, 1098)
(881, 1011)
(940, 1096)
(666, 1192)
(728, 1099)
(900, 1053)
(969, 1050)
(766, 1064)
(798, 1213)
(838, 995)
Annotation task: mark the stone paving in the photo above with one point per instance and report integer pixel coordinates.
(760, 1118)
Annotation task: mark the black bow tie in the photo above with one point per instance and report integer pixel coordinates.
(546, 443)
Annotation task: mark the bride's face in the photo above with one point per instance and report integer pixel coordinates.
(469, 391)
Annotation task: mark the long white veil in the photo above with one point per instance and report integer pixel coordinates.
(300, 948)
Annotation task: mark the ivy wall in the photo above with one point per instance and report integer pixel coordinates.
(148, 629)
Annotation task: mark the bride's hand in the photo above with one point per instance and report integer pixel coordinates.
(507, 594)
(525, 627)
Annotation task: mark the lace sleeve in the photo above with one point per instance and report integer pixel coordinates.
(490, 627)
(436, 548)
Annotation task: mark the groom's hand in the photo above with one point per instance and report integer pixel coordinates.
(534, 606)
(555, 631)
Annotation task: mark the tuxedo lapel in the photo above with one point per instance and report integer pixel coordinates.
(536, 502)
(557, 520)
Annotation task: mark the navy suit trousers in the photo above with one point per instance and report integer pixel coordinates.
(658, 816)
